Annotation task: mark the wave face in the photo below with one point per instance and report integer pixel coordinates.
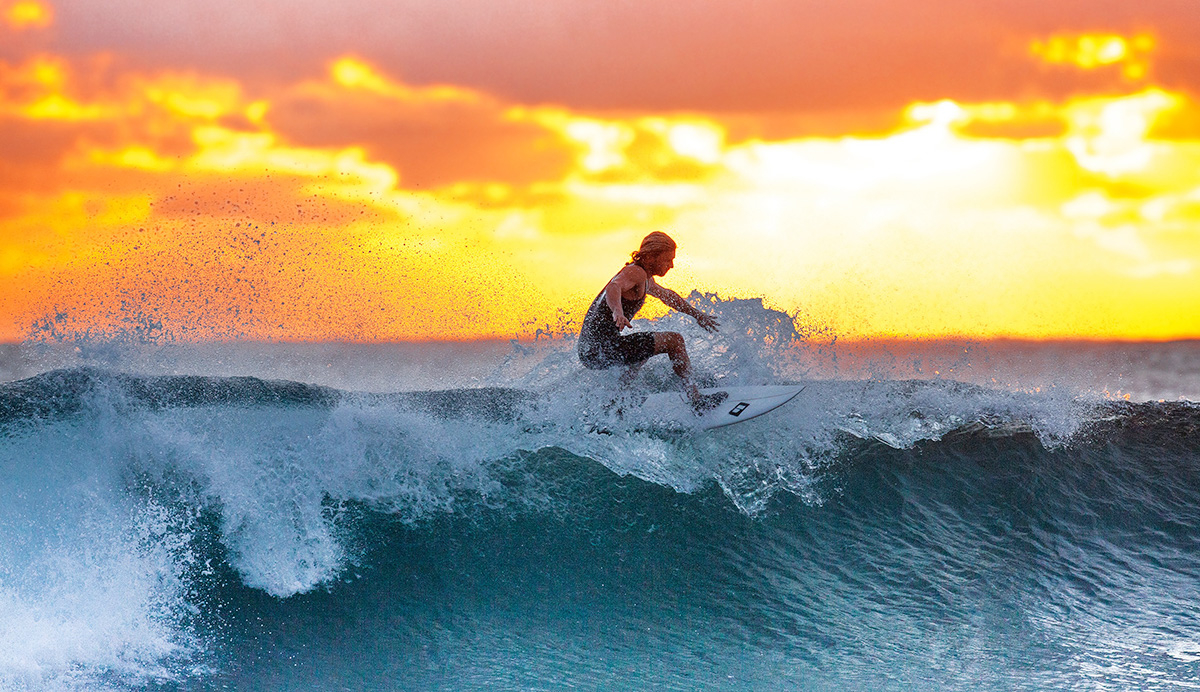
(215, 532)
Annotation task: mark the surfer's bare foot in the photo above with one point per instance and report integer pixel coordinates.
(703, 403)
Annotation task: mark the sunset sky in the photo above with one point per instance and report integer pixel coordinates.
(426, 169)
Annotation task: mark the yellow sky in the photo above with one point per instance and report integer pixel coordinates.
(349, 204)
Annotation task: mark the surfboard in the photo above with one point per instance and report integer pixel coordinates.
(741, 404)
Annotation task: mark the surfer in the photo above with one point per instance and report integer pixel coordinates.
(601, 344)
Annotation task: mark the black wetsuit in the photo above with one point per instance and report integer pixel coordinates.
(600, 342)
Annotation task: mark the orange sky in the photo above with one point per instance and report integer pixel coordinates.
(414, 170)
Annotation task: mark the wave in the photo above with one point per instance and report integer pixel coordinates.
(137, 505)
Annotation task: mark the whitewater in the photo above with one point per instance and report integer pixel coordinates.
(246, 516)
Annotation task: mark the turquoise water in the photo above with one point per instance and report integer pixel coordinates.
(879, 532)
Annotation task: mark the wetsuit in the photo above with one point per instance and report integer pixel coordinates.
(601, 344)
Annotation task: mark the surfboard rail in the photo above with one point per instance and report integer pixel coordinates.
(742, 404)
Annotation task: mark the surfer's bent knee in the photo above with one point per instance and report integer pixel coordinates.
(669, 342)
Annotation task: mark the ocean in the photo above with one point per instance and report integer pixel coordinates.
(449, 516)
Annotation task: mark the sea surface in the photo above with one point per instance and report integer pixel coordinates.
(925, 515)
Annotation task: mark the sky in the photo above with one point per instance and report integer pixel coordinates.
(425, 169)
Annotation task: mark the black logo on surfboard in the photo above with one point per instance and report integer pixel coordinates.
(737, 410)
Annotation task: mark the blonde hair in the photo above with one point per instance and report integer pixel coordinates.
(652, 244)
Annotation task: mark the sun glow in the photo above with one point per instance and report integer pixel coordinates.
(605, 142)
(354, 206)
(28, 14)
(1093, 51)
(1109, 136)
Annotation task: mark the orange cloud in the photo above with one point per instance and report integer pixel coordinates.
(431, 136)
(1093, 51)
(358, 206)
(661, 148)
(27, 14)
(201, 166)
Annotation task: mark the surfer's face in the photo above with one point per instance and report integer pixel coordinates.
(660, 264)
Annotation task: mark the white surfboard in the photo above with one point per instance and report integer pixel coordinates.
(742, 404)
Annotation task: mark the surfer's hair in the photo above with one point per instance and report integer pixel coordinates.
(653, 244)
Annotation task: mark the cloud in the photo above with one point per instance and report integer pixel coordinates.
(1098, 51)
(23, 15)
(433, 136)
(33, 154)
(714, 55)
(352, 203)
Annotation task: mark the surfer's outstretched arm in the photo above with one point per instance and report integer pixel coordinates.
(676, 302)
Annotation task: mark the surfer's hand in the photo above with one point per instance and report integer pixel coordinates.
(622, 321)
(707, 322)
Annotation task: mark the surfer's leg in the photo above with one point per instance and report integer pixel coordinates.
(632, 350)
(671, 343)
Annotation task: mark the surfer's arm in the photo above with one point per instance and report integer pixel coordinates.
(676, 302)
(623, 281)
